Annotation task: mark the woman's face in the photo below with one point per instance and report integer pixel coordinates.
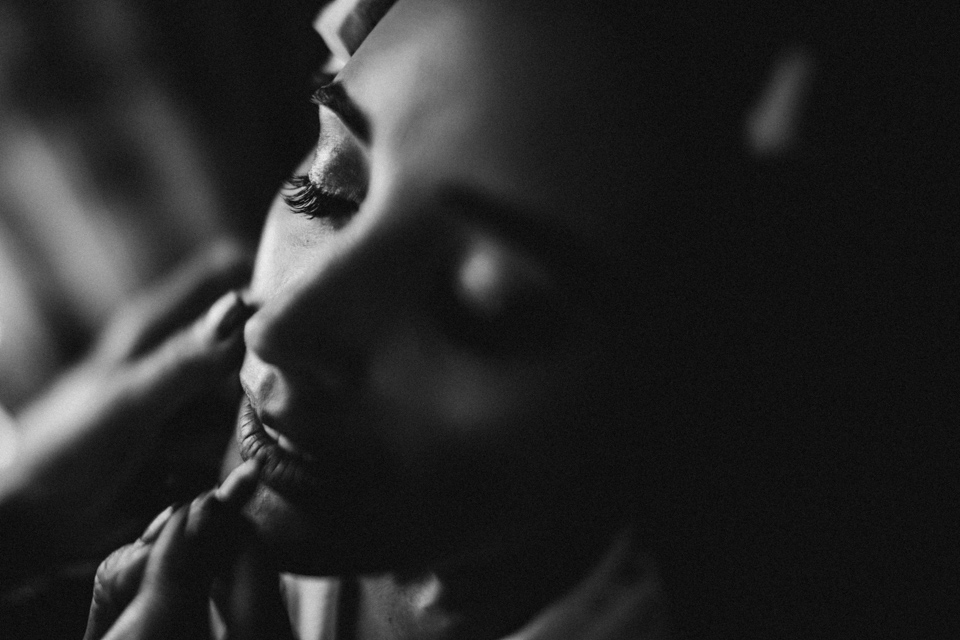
(424, 364)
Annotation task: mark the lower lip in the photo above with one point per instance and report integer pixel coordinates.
(284, 471)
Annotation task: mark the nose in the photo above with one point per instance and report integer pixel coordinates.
(345, 300)
(284, 341)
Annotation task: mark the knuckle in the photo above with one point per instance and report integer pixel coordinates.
(104, 580)
(102, 594)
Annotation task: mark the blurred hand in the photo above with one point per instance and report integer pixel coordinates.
(143, 418)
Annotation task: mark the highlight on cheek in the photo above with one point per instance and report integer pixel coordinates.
(493, 278)
(480, 280)
(505, 302)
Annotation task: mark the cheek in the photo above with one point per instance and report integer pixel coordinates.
(445, 394)
(286, 245)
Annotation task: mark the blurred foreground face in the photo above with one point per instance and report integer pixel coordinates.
(427, 347)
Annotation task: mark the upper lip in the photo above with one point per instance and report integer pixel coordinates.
(287, 471)
(279, 405)
(274, 427)
(263, 418)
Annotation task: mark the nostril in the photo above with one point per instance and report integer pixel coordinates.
(301, 350)
(280, 336)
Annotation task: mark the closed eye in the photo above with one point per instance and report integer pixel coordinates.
(310, 200)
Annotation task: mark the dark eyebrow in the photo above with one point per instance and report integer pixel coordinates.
(334, 97)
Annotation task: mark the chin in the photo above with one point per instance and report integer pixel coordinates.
(309, 542)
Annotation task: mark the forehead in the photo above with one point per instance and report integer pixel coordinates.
(478, 92)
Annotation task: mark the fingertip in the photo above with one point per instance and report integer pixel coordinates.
(164, 552)
(226, 315)
(156, 525)
(175, 525)
(239, 486)
(202, 502)
(197, 358)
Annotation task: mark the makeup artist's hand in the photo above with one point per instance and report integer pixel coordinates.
(158, 586)
(139, 423)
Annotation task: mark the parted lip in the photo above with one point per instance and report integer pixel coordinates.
(287, 472)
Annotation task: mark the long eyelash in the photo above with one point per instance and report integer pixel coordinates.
(309, 200)
(303, 200)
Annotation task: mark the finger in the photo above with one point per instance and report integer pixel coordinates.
(146, 321)
(238, 487)
(169, 570)
(116, 583)
(206, 536)
(119, 575)
(153, 530)
(205, 525)
(171, 566)
(172, 598)
(115, 410)
(191, 364)
(215, 525)
(210, 511)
